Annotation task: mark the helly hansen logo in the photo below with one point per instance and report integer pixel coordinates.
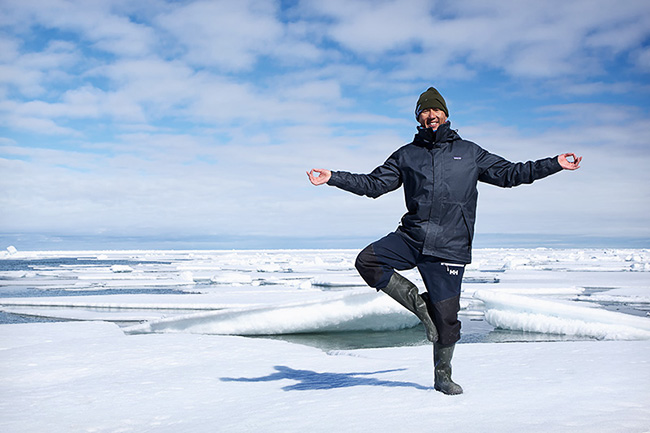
(453, 269)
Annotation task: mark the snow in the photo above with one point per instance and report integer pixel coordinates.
(161, 341)
(91, 377)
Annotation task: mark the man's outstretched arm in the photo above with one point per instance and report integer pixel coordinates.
(381, 180)
(497, 171)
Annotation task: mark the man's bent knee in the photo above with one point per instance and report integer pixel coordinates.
(369, 267)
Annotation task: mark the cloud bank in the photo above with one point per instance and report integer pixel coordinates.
(199, 118)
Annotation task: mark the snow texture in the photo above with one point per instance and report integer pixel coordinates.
(90, 377)
(158, 344)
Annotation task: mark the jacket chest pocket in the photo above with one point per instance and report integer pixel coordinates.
(460, 177)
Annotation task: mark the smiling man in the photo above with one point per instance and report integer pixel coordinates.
(439, 172)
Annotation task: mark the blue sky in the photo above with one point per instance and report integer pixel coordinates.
(193, 122)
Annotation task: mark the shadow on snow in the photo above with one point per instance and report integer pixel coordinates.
(311, 380)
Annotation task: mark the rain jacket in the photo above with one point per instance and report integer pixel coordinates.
(440, 171)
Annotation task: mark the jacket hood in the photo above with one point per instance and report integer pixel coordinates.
(427, 137)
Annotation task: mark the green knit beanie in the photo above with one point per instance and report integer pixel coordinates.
(430, 99)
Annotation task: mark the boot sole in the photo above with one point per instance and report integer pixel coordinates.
(437, 388)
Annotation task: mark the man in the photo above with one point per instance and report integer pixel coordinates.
(439, 171)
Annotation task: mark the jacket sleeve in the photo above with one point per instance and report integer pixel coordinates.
(495, 170)
(381, 180)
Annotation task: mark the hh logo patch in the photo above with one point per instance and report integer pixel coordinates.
(453, 269)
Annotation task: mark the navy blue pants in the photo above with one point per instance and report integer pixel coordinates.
(442, 279)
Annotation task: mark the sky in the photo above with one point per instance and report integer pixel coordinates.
(192, 123)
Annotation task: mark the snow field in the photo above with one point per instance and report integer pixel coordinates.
(89, 376)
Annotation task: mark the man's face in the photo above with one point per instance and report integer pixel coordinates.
(432, 118)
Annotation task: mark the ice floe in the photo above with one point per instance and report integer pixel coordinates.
(353, 312)
(300, 291)
(532, 314)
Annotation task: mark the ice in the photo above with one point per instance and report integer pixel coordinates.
(232, 278)
(532, 314)
(175, 357)
(331, 281)
(354, 312)
(36, 334)
(121, 268)
(90, 377)
(283, 291)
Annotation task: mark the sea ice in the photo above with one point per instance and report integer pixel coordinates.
(90, 377)
(530, 314)
(259, 286)
(171, 373)
(362, 311)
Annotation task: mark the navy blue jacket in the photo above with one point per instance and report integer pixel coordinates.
(439, 171)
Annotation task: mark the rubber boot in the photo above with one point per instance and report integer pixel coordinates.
(406, 293)
(442, 355)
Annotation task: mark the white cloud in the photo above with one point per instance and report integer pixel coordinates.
(642, 59)
(100, 22)
(375, 27)
(33, 72)
(37, 125)
(545, 39)
(227, 34)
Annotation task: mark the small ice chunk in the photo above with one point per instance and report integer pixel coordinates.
(120, 269)
(187, 276)
(269, 267)
(639, 267)
(11, 249)
(232, 278)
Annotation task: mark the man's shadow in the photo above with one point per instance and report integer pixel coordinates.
(311, 380)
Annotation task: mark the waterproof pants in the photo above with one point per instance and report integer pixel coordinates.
(442, 279)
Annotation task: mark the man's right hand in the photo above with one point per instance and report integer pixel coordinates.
(319, 176)
(563, 159)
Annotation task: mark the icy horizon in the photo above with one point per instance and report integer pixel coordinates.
(71, 242)
(282, 292)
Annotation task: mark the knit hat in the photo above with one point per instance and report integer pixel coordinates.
(431, 99)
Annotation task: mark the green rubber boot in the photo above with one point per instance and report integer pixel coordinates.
(442, 370)
(406, 293)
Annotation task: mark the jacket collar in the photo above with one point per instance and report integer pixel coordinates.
(429, 138)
